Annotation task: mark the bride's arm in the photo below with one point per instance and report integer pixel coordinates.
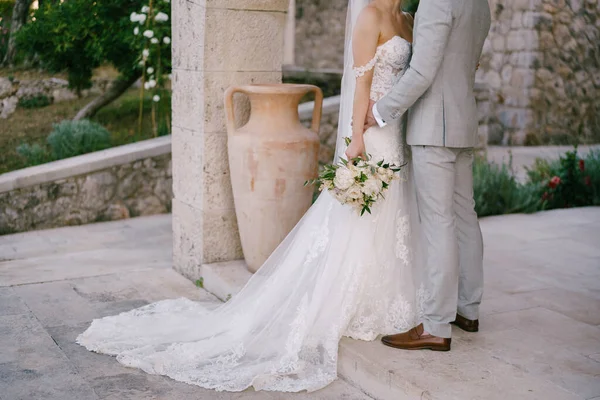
(364, 46)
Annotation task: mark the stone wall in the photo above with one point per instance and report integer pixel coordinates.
(320, 32)
(542, 64)
(539, 79)
(139, 187)
(54, 89)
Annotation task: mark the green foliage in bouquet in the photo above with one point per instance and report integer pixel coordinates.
(357, 182)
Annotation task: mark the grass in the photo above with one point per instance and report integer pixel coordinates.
(32, 126)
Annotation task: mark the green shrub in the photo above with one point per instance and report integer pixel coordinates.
(37, 101)
(410, 6)
(73, 138)
(33, 154)
(570, 181)
(497, 192)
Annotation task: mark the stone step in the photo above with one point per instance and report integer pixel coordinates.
(472, 370)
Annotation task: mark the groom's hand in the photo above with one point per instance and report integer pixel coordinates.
(370, 119)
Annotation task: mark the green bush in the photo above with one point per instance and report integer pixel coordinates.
(33, 154)
(570, 181)
(73, 138)
(38, 101)
(497, 192)
(410, 6)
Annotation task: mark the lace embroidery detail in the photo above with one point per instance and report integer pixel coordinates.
(392, 59)
(362, 70)
(402, 232)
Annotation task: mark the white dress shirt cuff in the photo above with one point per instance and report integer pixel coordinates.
(377, 116)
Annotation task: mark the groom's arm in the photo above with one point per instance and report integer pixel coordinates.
(431, 37)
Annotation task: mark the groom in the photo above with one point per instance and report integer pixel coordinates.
(437, 92)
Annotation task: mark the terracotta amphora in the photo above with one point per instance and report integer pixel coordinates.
(270, 159)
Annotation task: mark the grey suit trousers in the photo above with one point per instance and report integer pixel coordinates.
(452, 272)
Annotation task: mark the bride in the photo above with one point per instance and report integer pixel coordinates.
(336, 274)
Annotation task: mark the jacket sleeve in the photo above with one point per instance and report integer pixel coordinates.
(431, 37)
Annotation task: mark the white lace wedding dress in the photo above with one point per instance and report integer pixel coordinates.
(336, 274)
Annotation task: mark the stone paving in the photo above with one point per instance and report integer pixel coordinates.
(540, 336)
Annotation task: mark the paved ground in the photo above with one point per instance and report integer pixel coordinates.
(540, 335)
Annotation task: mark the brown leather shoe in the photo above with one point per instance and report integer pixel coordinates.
(469, 325)
(416, 340)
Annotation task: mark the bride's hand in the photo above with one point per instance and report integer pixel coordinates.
(356, 149)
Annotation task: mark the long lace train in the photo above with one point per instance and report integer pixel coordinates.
(335, 274)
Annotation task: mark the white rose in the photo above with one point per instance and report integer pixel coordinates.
(154, 40)
(152, 83)
(161, 17)
(150, 70)
(372, 187)
(156, 98)
(134, 17)
(148, 33)
(145, 53)
(146, 85)
(145, 9)
(166, 40)
(136, 31)
(344, 178)
(354, 193)
(141, 18)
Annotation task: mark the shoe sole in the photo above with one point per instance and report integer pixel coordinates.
(424, 347)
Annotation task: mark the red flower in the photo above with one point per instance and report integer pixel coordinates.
(554, 182)
(587, 180)
(581, 165)
(545, 196)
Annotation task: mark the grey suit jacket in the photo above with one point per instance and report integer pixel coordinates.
(437, 89)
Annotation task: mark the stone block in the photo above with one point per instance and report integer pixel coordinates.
(188, 161)
(225, 279)
(522, 78)
(89, 365)
(56, 303)
(516, 118)
(250, 5)
(188, 35)
(188, 239)
(11, 303)
(243, 40)
(188, 100)
(221, 237)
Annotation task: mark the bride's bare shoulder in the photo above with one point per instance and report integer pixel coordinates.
(369, 18)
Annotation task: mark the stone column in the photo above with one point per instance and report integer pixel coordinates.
(289, 48)
(216, 44)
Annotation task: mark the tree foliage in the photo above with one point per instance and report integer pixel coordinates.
(80, 35)
(410, 6)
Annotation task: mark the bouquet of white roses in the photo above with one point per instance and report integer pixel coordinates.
(358, 182)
